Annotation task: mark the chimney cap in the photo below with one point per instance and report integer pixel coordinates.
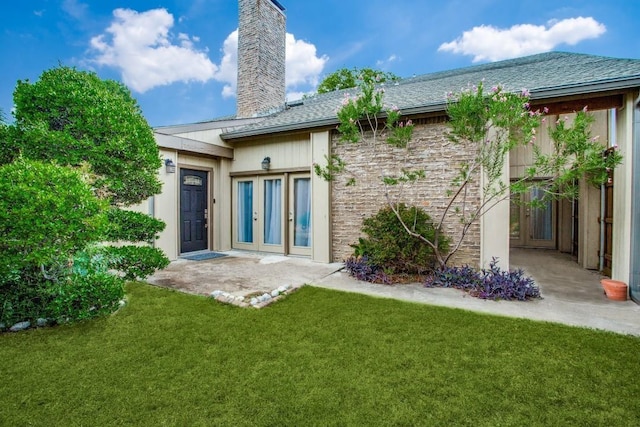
(278, 5)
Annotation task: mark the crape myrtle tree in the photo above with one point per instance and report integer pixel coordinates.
(73, 119)
(487, 125)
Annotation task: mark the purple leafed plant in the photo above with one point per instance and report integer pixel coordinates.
(492, 283)
(361, 269)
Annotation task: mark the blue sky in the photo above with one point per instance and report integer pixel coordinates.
(178, 57)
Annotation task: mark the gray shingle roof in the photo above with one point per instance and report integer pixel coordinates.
(545, 75)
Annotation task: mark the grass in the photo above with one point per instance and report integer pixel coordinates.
(318, 357)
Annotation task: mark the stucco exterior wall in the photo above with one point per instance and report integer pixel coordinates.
(165, 207)
(430, 150)
(287, 152)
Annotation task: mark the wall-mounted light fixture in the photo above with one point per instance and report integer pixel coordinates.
(266, 163)
(169, 166)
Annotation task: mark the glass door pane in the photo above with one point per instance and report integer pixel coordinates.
(301, 212)
(299, 208)
(272, 212)
(244, 212)
(541, 219)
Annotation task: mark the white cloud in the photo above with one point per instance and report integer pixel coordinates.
(303, 66)
(75, 9)
(141, 47)
(228, 71)
(490, 43)
(294, 96)
(383, 63)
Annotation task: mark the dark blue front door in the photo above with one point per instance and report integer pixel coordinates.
(193, 210)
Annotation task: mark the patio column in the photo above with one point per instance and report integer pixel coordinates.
(622, 192)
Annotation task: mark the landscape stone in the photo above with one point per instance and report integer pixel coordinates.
(20, 326)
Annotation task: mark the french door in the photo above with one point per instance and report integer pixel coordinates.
(532, 226)
(272, 213)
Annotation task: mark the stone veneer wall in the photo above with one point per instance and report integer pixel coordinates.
(430, 150)
(261, 57)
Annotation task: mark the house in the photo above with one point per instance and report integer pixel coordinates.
(246, 182)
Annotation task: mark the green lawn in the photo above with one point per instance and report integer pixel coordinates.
(318, 357)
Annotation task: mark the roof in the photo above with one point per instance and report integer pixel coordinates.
(546, 75)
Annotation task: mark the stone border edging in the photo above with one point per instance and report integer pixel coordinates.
(260, 301)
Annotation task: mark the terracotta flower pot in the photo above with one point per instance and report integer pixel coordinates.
(615, 289)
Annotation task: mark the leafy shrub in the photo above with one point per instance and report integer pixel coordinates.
(84, 288)
(464, 277)
(361, 269)
(47, 213)
(389, 246)
(73, 117)
(135, 262)
(84, 296)
(132, 226)
(493, 283)
(20, 301)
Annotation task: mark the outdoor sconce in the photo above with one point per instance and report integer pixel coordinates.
(266, 163)
(170, 166)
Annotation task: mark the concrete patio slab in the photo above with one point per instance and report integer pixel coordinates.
(241, 273)
(570, 294)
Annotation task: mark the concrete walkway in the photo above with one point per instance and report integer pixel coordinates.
(571, 295)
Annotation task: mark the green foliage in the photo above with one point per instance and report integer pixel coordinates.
(364, 113)
(367, 105)
(84, 296)
(493, 124)
(347, 78)
(21, 300)
(334, 166)
(83, 288)
(390, 247)
(135, 262)
(132, 226)
(47, 213)
(73, 117)
(577, 154)
(78, 145)
(6, 154)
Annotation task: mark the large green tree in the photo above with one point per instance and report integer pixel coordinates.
(71, 125)
(73, 117)
(346, 78)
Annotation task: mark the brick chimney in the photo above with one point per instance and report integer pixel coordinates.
(261, 57)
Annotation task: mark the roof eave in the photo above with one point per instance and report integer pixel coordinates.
(239, 134)
(619, 84)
